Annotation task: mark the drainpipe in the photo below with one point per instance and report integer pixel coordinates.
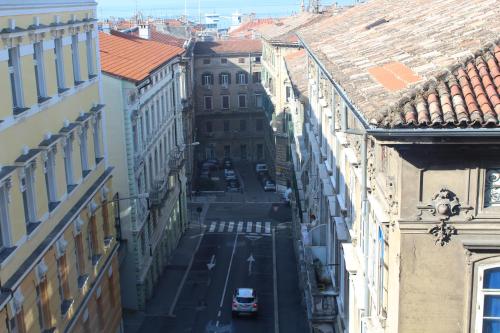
(365, 214)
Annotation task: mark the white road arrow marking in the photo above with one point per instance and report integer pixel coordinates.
(253, 238)
(211, 264)
(250, 260)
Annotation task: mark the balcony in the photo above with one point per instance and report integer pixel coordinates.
(176, 161)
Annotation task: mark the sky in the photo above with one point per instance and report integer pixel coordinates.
(175, 8)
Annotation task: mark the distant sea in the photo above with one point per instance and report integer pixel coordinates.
(174, 9)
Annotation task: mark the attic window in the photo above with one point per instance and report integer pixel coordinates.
(376, 23)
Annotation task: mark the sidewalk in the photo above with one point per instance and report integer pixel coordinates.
(172, 275)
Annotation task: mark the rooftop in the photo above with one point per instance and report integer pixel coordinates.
(415, 62)
(296, 63)
(235, 46)
(131, 57)
(248, 29)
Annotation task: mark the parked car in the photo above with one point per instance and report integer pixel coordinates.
(233, 186)
(227, 163)
(261, 167)
(245, 302)
(229, 174)
(269, 185)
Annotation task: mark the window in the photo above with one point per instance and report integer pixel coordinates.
(492, 188)
(208, 102)
(227, 151)
(28, 192)
(257, 60)
(288, 93)
(42, 302)
(259, 101)
(75, 55)
(226, 125)
(260, 151)
(93, 238)
(15, 78)
(62, 275)
(207, 79)
(79, 254)
(84, 150)
(105, 219)
(242, 101)
(243, 125)
(68, 160)
(90, 54)
(58, 50)
(225, 102)
(258, 125)
(96, 132)
(241, 78)
(223, 60)
(50, 176)
(243, 149)
(209, 126)
(206, 61)
(41, 88)
(241, 60)
(256, 77)
(4, 214)
(488, 304)
(225, 79)
(16, 323)
(148, 124)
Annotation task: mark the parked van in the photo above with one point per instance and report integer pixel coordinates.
(260, 167)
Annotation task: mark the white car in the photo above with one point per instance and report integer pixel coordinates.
(261, 168)
(229, 174)
(245, 301)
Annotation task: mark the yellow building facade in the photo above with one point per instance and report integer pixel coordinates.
(58, 248)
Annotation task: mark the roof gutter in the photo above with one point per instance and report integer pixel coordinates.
(394, 132)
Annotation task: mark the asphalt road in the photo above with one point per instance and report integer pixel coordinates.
(235, 231)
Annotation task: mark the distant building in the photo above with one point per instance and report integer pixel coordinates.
(58, 242)
(145, 85)
(229, 101)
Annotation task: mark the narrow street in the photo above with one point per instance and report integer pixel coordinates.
(244, 241)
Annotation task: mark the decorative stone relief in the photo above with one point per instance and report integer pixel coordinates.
(442, 232)
(492, 188)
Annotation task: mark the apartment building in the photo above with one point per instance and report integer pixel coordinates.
(58, 254)
(395, 141)
(278, 40)
(144, 84)
(229, 101)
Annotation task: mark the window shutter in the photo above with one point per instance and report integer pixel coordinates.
(229, 78)
(211, 79)
(220, 78)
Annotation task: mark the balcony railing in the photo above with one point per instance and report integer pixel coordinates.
(158, 192)
(176, 161)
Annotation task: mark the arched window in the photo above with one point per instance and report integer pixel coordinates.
(488, 299)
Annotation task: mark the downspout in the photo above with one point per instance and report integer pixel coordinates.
(365, 214)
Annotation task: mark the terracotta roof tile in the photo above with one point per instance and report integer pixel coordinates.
(228, 46)
(166, 39)
(296, 64)
(414, 62)
(133, 58)
(246, 30)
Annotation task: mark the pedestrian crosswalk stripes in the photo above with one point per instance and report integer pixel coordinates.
(242, 227)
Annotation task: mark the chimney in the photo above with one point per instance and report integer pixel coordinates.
(144, 31)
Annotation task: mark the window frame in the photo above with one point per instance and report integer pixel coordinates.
(5, 227)
(245, 101)
(50, 174)
(28, 183)
(222, 97)
(75, 57)
(15, 74)
(257, 98)
(38, 62)
(84, 154)
(205, 98)
(59, 61)
(68, 160)
(90, 54)
(480, 293)
(242, 78)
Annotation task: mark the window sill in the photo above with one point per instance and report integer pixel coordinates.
(6, 252)
(66, 305)
(92, 76)
(71, 188)
(77, 83)
(53, 205)
(19, 111)
(61, 91)
(98, 160)
(85, 173)
(96, 259)
(31, 227)
(42, 100)
(82, 281)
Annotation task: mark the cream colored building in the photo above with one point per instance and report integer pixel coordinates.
(145, 88)
(395, 151)
(58, 254)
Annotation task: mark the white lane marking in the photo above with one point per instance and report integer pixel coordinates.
(212, 227)
(249, 226)
(240, 227)
(257, 227)
(231, 226)
(229, 270)
(221, 226)
(268, 227)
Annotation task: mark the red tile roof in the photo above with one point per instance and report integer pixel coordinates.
(246, 30)
(421, 47)
(296, 64)
(133, 58)
(228, 46)
(164, 38)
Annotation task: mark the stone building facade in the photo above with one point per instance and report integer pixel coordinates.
(396, 171)
(145, 86)
(229, 101)
(58, 244)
